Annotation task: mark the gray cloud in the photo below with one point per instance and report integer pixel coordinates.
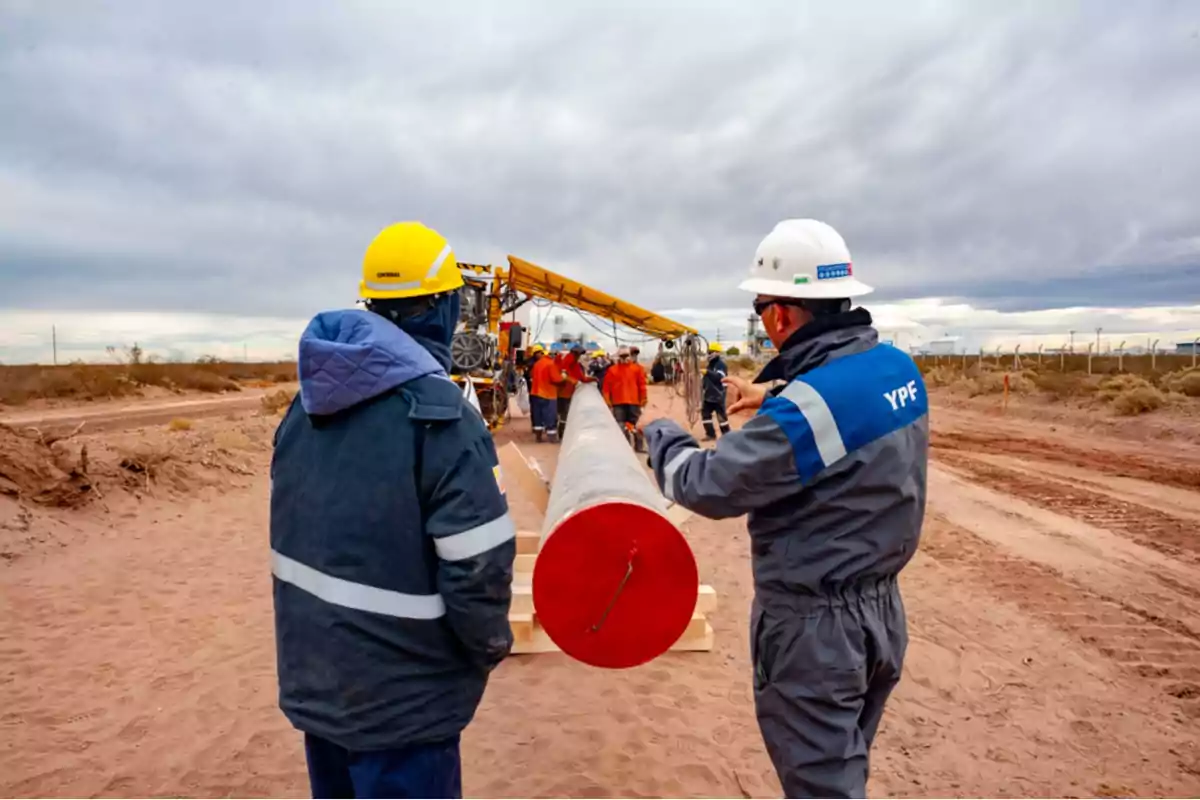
(172, 156)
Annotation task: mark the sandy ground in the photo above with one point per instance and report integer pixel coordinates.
(1054, 611)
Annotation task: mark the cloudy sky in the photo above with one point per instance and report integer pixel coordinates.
(204, 176)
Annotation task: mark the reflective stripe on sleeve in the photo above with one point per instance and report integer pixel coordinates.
(475, 541)
(361, 597)
(672, 467)
(820, 419)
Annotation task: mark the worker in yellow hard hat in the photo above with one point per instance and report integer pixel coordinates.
(713, 401)
(599, 367)
(392, 547)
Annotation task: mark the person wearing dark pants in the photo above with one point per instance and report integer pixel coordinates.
(831, 473)
(624, 390)
(572, 375)
(545, 380)
(391, 544)
(714, 394)
(431, 770)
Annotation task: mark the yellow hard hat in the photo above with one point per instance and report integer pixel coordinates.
(597, 353)
(537, 348)
(408, 260)
(714, 348)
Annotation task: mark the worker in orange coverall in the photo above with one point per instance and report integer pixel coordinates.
(625, 391)
(573, 373)
(545, 380)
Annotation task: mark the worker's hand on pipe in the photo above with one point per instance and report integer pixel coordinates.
(750, 396)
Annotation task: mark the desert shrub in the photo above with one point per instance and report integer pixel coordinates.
(1138, 400)
(1112, 388)
(1185, 382)
(1063, 385)
(179, 424)
(942, 376)
(202, 380)
(274, 402)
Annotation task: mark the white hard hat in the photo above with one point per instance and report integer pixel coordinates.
(803, 258)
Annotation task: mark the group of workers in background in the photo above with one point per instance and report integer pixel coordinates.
(392, 547)
(553, 379)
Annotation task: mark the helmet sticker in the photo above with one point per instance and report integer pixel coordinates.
(830, 271)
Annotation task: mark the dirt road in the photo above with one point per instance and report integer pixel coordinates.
(1054, 609)
(124, 414)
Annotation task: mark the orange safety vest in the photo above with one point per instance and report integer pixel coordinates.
(625, 385)
(572, 372)
(545, 378)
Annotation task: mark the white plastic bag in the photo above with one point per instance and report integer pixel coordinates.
(523, 396)
(469, 393)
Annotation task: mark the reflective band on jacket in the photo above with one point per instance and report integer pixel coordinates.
(672, 467)
(400, 287)
(348, 594)
(469, 544)
(820, 419)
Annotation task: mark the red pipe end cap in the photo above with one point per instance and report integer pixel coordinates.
(578, 575)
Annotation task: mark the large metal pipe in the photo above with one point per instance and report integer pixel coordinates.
(614, 583)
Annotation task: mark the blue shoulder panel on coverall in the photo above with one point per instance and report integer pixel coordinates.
(846, 405)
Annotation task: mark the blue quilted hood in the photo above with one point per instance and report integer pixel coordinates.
(349, 356)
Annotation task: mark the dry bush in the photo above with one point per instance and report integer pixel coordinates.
(232, 440)
(202, 380)
(277, 402)
(151, 463)
(1064, 385)
(942, 376)
(79, 381)
(1185, 382)
(31, 470)
(179, 424)
(1138, 400)
(1112, 388)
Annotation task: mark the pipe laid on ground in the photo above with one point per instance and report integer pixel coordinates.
(615, 583)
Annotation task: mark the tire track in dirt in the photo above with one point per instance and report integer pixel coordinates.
(1149, 646)
(1110, 462)
(1147, 526)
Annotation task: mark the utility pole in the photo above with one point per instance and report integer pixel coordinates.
(1071, 347)
(1098, 340)
(54, 342)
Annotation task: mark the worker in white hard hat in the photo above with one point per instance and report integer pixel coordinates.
(391, 543)
(831, 472)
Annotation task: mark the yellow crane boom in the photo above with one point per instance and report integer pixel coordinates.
(536, 281)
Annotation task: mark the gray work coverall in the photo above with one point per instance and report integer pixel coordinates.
(832, 474)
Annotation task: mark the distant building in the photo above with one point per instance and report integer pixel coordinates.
(945, 346)
(1185, 348)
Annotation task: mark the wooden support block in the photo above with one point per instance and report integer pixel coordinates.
(529, 637)
(522, 597)
(522, 626)
(518, 474)
(678, 515)
(528, 543)
(524, 563)
(697, 638)
(706, 600)
(539, 642)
